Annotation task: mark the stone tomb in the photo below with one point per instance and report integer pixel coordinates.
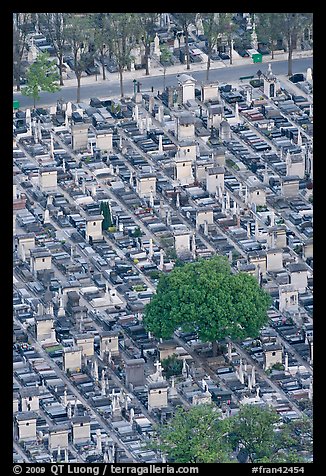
(204, 214)
(86, 342)
(72, 358)
(48, 179)
(27, 241)
(288, 298)
(26, 425)
(146, 185)
(104, 140)
(272, 355)
(215, 179)
(298, 276)
(185, 126)
(183, 171)
(182, 242)
(94, 227)
(40, 259)
(79, 134)
(135, 372)
(81, 429)
(157, 395)
(44, 327)
(187, 83)
(58, 437)
(109, 342)
(209, 91)
(274, 259)
(29, 397)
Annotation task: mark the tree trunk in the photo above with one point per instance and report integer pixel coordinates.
(17, 74)
(214, 348)
(60, 70)
(231, 57)
(147, 52)
(121, 81)
(164, 71)
(290, 50)
(187, 48)
(78, 76)
(272, 51)
(103, 66)
(208, 65)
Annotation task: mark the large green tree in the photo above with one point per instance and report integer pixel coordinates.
(266, 439)
(199, 435)
(42, 75)
(205, 297)
(195, 435)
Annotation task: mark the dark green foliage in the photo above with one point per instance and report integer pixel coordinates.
(199, 435)
(172, 366)
(105, 211)
(194, 435)
(205, 297)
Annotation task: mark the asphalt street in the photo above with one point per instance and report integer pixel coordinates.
(111, 87)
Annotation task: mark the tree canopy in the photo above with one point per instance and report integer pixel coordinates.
(105, 211)
(195, 435)
(42, 75)
(265, 438)
(200, 435)
(205, 297)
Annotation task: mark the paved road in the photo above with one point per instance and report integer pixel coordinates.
(111, 87)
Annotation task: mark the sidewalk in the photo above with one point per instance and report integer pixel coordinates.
(182, 68)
